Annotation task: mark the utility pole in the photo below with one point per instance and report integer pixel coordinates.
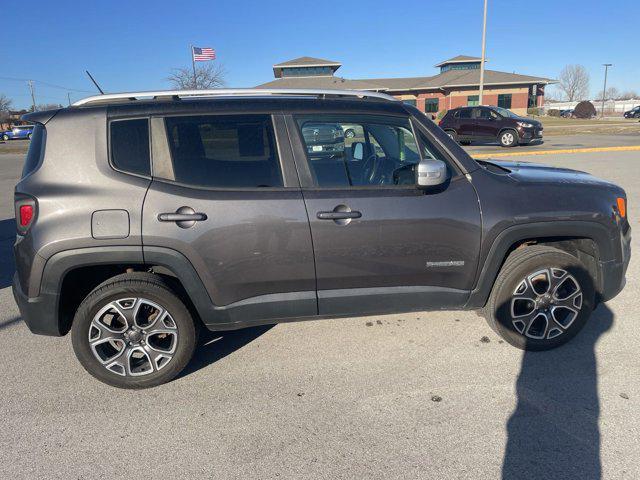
(33, 96)
(69, 98)
(193, 63)
(484, 40)
(604, 89)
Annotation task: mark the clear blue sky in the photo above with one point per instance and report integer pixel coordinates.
(132, 45)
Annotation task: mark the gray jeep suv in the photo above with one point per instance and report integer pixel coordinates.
(169, 211)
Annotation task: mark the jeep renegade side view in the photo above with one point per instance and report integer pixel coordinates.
(226, 209)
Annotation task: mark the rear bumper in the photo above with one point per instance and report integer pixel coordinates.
(39, 313)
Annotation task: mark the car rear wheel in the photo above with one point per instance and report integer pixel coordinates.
(508, 138)
(5, 137)
(541, 299)
(132, 331)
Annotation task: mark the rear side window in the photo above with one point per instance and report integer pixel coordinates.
(130, 146)
(36, 150)
(465, 113)
(224, 151)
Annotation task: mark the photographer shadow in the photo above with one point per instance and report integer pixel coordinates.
(554, 432)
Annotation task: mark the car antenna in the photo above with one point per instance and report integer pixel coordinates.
(95, 83)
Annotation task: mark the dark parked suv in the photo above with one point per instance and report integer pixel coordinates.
(490, 124)
(175, 210)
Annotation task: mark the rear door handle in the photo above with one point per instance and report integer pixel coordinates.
(181, 217)
(338, 215)
(184, 217)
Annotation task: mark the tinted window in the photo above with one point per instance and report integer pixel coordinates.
(504, 100)
(36, 149)
(465, 113)
(130, 146)
(359, 150)
(431, 105)
(226, 151)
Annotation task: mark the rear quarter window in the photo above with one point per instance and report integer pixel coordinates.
(36, 150)
(130, 146)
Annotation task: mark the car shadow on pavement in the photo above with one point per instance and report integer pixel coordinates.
(553, 432)
(7, 238)
(214, 346)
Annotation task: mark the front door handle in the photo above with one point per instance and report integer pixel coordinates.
(338, 215)
(341, 215)
(184, 217)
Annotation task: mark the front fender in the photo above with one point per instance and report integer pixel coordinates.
(504, 241)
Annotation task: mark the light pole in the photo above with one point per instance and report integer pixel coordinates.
(484, 39)
(604, 89)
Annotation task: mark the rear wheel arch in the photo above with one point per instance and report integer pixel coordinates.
(74, 274)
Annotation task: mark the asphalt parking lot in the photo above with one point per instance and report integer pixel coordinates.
(428, 395)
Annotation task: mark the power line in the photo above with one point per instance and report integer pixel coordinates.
(52, 85)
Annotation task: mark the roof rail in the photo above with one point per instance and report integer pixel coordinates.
(178, 94)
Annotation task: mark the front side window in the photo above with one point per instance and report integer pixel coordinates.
(224, 151)
(130, 146)
(504, 100)
(361, 150)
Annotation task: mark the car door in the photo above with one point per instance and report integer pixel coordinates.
(466, 124)
(225, 196)
(485, 124)
(381, 244)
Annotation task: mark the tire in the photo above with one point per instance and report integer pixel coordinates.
(465, 142)
(5, 137)
(142, 353)
(550, 324)
(508, 138)
(452, 135)
(349, 133)
(29, 136)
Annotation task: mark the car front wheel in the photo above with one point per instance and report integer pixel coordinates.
(5, 137)
(541, 298)
(508, 138)
(132, 331)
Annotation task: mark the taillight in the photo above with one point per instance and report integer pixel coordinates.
(26, 215)
(26, 209)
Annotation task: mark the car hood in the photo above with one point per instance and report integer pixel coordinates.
(540, 173)
(528, 120)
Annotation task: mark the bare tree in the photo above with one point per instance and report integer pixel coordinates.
(5, 106)
(207, 76)
(629, 95)
(612, 93)
(574, 82)
(5, 103)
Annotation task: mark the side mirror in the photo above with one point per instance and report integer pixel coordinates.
(357, 150)
(430, 173)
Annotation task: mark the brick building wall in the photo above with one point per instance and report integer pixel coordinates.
(459, 98)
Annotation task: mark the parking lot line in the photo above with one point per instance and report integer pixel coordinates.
(526, 153)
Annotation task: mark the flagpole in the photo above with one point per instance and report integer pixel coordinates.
(193, 63)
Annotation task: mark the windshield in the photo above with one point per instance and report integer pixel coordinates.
(504, 112)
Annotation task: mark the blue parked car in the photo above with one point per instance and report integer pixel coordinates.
(18, 131)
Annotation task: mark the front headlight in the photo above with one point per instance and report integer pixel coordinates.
(525, 124)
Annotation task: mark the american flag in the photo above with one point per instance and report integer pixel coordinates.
(202, 54)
